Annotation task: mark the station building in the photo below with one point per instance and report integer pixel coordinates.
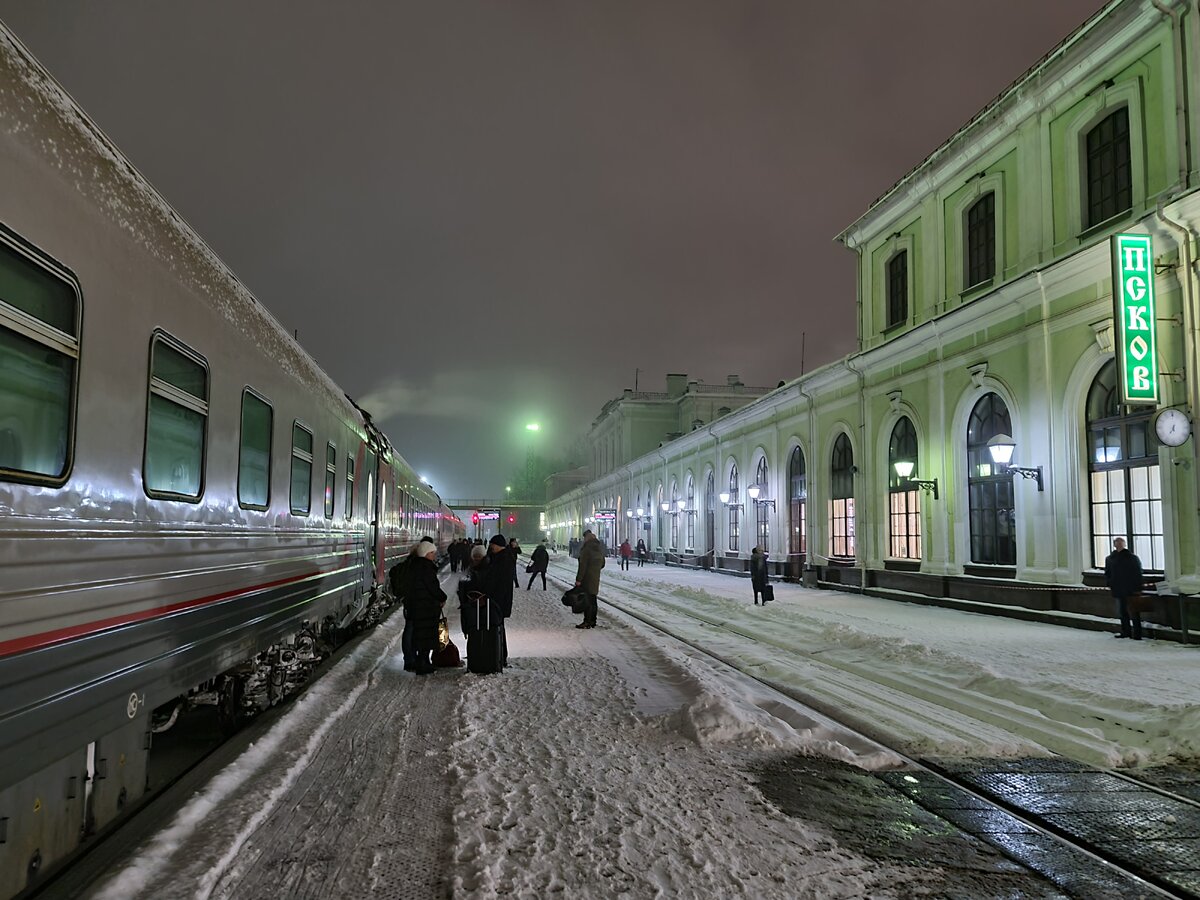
(986, 316)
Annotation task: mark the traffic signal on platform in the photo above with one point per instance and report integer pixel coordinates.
(475, 518)
(511, 519)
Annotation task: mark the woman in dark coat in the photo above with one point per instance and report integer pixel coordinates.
(641, 553)
(423, 599)
(758, 573)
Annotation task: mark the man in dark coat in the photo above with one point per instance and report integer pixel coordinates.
(1123, 574)
(423, 599)
(539, 560)
(499, 579)
(758, 573)
(587, 576)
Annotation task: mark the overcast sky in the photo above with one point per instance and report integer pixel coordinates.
(478, 213)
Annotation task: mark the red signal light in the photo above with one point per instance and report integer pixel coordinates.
(511, 519)
(475, 518)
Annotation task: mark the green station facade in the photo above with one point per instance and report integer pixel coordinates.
(1030, 287)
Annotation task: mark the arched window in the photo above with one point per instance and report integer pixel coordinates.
(674, 513)
(690, 534)
(990, 490)
(797, 498)
(904, 516)
(981, 241)
(841, 504)
(1109, 173)
(762, 523)
(710, 515)
(734, 510)
(1126, 487)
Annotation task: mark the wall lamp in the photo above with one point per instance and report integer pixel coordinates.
(904, 468)
(724, 498)
(754, 490)
(1001, 447)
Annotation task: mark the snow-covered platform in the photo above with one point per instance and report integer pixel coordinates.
(618, 762)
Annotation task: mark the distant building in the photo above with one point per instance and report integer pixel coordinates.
(637, 422)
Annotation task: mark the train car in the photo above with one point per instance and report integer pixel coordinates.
(190, 509)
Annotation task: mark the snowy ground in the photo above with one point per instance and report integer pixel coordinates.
(938, 682)
(616, 762)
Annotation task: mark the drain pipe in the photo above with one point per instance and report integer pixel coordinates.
(862, 433)
(1181, 107)
(1192, 384)
(812, 443)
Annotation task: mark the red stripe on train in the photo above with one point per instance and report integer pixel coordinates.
(58, 636)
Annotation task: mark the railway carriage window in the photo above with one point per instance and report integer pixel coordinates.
(349, 487)
(368, 497)
(330, 478)
(302, 465)
(176, 422)
(39, 353)
(254, 461)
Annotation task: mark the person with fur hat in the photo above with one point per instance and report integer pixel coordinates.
(591, 561)
(423, 599)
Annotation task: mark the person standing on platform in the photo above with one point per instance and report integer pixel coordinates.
(515, 549)
(626, 555)
(423, 599)
(499, 577)
(591, 561)
(758, 573)
(1123, 574)
(539, 562)
(397, 579)
(641, 553)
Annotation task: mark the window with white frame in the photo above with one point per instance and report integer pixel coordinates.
(762, 521)
(989, 487)
(797, 500)
(734, 510)
(841, 503)
(1126, 486)
(690, 512)
(904, 503)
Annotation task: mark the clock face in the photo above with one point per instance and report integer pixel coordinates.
(1172, 427)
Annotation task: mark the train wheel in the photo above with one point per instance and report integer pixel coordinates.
(229, 707)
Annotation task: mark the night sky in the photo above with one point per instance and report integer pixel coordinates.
(478, 213)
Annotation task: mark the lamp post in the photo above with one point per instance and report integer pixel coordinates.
(1002, 447)
(904, 468)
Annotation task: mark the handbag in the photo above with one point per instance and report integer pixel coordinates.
(529, 568)
(576, 599)
(443, 633)
(768, 593)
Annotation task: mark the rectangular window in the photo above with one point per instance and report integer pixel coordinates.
(1127, 502)
(349, 487)
(841, 527)
(1109, 176)
(762, 526)
(981, 241)
(39, 354)
(897, 289)
(735, 523)
(254, 460)
(905, 522)
(330, 478)
(176, 422)
(302, 466)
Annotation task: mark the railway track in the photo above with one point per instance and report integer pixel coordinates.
(1136, 830)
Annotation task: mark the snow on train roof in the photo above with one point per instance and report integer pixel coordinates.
(31, 94)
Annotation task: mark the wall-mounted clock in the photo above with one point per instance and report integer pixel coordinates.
(1172, 427)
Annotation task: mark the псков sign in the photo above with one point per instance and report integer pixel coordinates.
(1133, 317)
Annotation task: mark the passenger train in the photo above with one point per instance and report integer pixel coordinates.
(191, 511)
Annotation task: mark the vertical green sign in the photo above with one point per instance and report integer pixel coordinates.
(1133, 317)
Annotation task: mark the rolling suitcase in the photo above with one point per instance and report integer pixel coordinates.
(483, 641)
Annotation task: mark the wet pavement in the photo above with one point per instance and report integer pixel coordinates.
(1155, 836)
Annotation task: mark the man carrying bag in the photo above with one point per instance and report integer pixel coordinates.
(591, 561)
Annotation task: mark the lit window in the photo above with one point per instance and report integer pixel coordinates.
(254, 460)
(904, 505)
(39, 354)
(302, 466)
(841, 504)
(176, 422)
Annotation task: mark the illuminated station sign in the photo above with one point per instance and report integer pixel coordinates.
(1133, 318)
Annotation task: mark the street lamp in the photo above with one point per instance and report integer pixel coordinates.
(1002, 447)
(533, 426)
(724, 497)
(904, 468)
